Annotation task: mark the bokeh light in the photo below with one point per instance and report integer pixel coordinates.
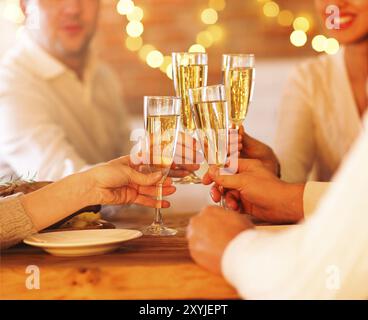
(145, 50)
(134, 28)
(133, 44)
(125, 7)
(136, 14)
(169, 71)
(154, 59)
(205, 38)
(271, 9)
(319, 43)
(298, 38)
(197, 48)
(217, 32)
(165, 63)
(209, 16)
(332, 46)
(301, 23)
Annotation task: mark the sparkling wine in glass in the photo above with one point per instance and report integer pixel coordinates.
(189, 71)
(162, 123)
(209, 106)
(238, 77)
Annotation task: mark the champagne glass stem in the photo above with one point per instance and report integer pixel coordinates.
(158, 215)
(223, 202)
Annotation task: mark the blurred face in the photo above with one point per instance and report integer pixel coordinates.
(353, 19)
(66, 27)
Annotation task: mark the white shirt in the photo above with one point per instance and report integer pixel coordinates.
(51, 123)
(324, 258)
(318, 119)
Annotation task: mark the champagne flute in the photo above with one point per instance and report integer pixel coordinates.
(238, 77)
(189, 71)
(209, 106)
(161, 122)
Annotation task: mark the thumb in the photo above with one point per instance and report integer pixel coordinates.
(227, 181)
(143, 179)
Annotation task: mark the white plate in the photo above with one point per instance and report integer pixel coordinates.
(80, 243)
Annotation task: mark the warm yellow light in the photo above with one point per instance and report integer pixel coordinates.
(133, 44)
(218, 5)
(216, 31)
(136, 14)
(197, 48)
(134, 29)
(209, 16)
(298, 38)
(332, 46)
(145, 50)
(167, 61)
(301, 23)
(154, 59)
(271, 9)
(13, 13)
(319, 43)
(169, 71)
(125, 6)
(285, 18)
(205, 38)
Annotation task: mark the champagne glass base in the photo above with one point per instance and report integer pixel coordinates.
(190, 179)
(158, 230)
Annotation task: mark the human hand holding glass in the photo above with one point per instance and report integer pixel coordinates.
(161, 122)
(210, 111)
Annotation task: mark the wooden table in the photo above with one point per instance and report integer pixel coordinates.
(144, 268)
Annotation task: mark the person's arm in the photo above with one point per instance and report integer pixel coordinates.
(295, 136)
(324, 258)
(15, 223)
(31, 142)
(110, 183)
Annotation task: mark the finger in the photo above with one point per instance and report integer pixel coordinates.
(227, 181)
(215, 194)
(179, 173)
(142, 179)
(124, 160)
(206, 179)
(149, 202)
(152, 190)
(231, 199)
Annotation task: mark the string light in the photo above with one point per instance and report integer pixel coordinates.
(301, 23)
(133, 44)
(271, 9)
(332, 46)
(145, 50)
(197, 48)
(209, 16)
(136, 14)
(319, 43)
(134, 28)
(154, 59)
(205, 39)
(298, 38)
(125, 7)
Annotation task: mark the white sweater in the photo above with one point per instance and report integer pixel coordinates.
(324, 258)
